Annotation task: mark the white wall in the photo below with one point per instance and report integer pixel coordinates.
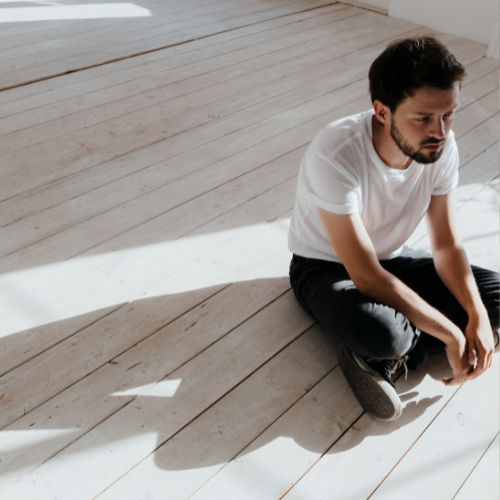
(472, 19)
(475, 20)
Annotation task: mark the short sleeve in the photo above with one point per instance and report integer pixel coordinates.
(446, 179)
(328, 184)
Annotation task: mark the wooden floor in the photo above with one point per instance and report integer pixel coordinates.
(151, 347)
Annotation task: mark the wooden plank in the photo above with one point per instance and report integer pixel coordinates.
(119, 276)
(65, 215)
(479, 226)
(22, 232)
(199, 451)
(447, 451)
(21, 29)
(112, 279)
(108, 71)
(479, 139)
(16, 205)
(174, 57)
(132, 433)
(60, 30)
(57, 148)
(18, 236)
(476, 174)
(473, 54)
(85, 404)
(459, 45)
(142, 29)
(472, 179)
(477, 222)
(151, 113)
(48, 29)
(29, 44)
(53, 370)
(351, 11)
(46, 196)
(147, 93)
(76, 233)
(212, 26)
(271, 464)
(480, 68)
(483, 481)
(374, 446)
(481, 87)
(476, 113)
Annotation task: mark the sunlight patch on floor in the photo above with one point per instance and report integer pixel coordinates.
(70, 12)
(41, 295)
(13, 440)
(163, 389)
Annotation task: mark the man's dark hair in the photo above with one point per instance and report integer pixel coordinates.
(409, 64)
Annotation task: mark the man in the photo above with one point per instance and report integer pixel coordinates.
(364, 185)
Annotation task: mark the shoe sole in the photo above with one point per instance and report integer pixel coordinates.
(376, 396)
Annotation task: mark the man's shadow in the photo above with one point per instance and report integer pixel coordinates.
(316, 429)
(309, 403)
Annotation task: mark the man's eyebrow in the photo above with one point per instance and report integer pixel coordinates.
(425, 113)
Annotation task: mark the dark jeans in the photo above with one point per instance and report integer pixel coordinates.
(374, 330)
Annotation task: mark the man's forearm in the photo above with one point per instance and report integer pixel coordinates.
(388, 289)
(454, 270)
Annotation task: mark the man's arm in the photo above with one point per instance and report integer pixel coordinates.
(352, 244)
(455, 272)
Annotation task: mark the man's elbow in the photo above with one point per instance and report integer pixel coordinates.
(367, 285)
(446, 248)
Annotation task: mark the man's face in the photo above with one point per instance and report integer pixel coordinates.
(421, 123)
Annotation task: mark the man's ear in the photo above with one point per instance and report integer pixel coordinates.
(382, 112)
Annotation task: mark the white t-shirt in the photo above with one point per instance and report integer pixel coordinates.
(342, 173)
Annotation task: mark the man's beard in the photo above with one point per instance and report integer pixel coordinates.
(415, 154)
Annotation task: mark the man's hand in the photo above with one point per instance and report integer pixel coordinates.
(353, 245)
(457, 354)
(479, 344)
(471, 355)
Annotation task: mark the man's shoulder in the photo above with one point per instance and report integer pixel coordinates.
(342, 134)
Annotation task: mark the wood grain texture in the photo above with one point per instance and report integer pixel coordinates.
(452, 445)
(206, 25)
(483, 480)
(149, 338)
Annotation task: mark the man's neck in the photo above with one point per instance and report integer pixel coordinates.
(386, 148)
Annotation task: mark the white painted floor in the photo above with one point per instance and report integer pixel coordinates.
(150, 345)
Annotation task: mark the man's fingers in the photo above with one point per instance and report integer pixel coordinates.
(479, 370)
(472, 355)
(453, 381)
(485, 360)
(489, 360)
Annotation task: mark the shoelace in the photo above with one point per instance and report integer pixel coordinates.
(392, 366)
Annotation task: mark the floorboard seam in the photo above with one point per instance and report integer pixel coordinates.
(474, 468)
(55, 75)
(215, 402)
(118, 355)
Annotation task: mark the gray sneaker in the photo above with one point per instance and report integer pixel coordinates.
(371, 383)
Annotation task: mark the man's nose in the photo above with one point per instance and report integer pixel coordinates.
(438, 131)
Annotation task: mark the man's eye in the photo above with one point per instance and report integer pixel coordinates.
(426, 118)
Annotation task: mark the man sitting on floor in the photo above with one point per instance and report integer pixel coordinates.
(365, 183)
